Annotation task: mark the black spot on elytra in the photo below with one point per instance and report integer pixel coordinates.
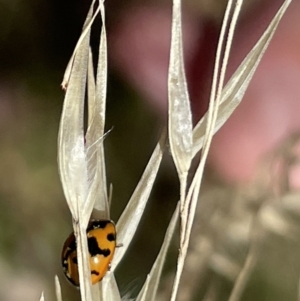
(94, 248)
(95, 272)
(111, 237)
(74, 259)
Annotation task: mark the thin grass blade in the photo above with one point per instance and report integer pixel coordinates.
(218, 81)
(179, 115)
(95, 133)
(235, 89)
(130, 218)
(42, 297)
(149, 289)
(189, 205)
(96, 293)
(71, 146)
(91, 87)
(83, 257)
(143, 295)
(72, 159)
(85, 31)
(244, 275)
(57, 289)
(109, 289)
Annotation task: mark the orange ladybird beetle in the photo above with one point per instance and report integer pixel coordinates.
(101, 236)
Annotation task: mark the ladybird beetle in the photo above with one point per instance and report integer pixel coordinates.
(101, 236)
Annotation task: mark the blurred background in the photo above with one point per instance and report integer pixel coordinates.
(250, 195)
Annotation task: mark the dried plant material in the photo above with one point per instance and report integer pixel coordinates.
(224, 266)
(72, 160)
(211, 120)
(272, 219)
(109, 289)
(243, 277)
(144, 292)
(214, 104)
(80, 162)
(219, 75)
(83, 262)
(130, 218)
(189, 206)
(96, 124)
(91, 87)
(96, 291)
(71, 147)
(180, 117)
(42, 297)
(282, 218)
(57, 289)
(85, 32)
(149, 289)
(196, 263)
(179, 113)
(111, 189)
(235, 89)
